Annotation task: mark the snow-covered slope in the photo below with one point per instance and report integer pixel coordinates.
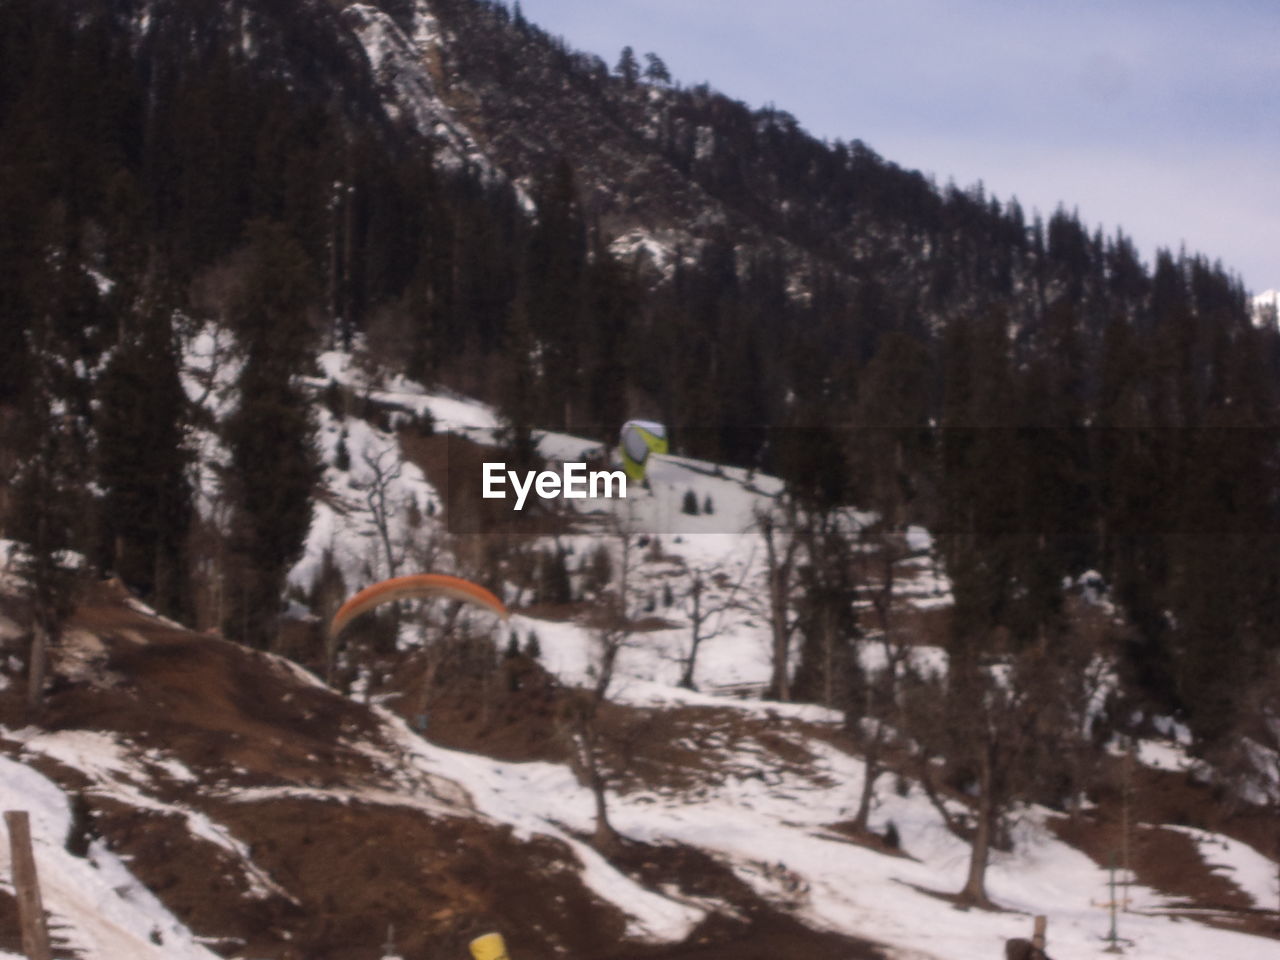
(96, 906)
(764, 806)
(759, 811)
(249, 769)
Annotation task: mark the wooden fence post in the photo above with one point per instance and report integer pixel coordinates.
(26, 884)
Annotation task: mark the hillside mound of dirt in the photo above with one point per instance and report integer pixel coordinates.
(270, 814)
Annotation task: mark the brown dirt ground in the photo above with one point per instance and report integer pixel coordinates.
(240, 719)
(348, 869)
(752, 930)
(1167, 860)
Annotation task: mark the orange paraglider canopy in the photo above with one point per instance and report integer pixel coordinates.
(416, 585)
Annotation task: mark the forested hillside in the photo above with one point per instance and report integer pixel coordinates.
(464, 199)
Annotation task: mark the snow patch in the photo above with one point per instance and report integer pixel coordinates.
(400, 64)
(102, 910)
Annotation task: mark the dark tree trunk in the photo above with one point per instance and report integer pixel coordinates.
(874, 769)
(605, 838)
(975, 889)
(36, 667)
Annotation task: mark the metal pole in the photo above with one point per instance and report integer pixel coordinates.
(1113, 936)
(1126, 862)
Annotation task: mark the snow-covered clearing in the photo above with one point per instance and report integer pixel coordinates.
(773, 815)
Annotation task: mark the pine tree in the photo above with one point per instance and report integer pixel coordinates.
(655, 70)
(1007, 587)
(143, 460)
(891, 437)
(275, 463)
(519, 386)
(611, 295)
(554, 583)
(628, 69)
(49, 511)
(554, 288)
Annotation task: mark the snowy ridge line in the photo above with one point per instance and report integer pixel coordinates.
(1266, 304)
(133, 603)
(347, 796)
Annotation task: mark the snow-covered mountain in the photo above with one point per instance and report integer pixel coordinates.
(422, 781)
(1266, 304)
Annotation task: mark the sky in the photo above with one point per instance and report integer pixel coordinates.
(1158, 117)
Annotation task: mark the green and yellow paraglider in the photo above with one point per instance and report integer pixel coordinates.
(639, 440)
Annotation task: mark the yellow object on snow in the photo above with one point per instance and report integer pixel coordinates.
(489, 947)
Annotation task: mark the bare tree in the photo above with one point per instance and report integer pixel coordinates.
(993, 730)
(778, 530)
(828, 576)
(417, 544)
(581, 717)
(706, 618)
(580, 721)
(613, 628)
(881, 706)
(385, 468)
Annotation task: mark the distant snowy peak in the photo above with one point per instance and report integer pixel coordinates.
(1266, 308)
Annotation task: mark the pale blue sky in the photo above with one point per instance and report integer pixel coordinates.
(1158, 116)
